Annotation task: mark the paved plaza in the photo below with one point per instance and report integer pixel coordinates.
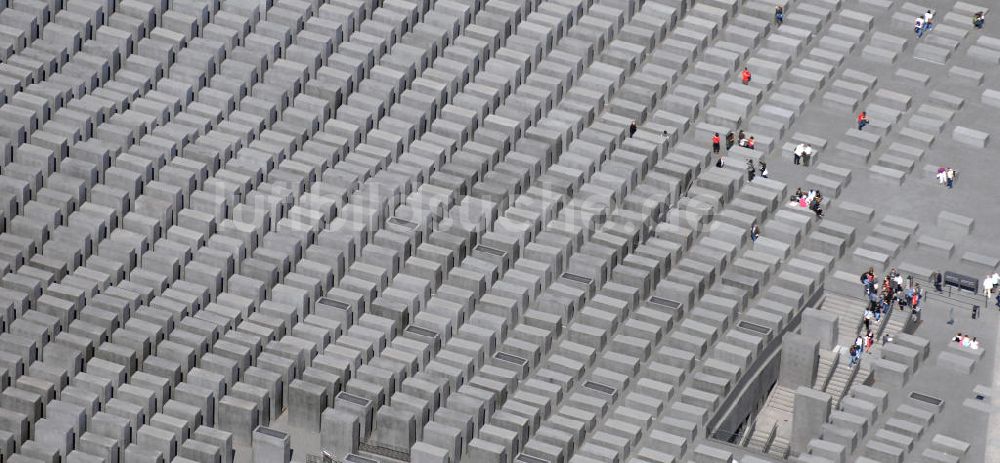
(498, 231)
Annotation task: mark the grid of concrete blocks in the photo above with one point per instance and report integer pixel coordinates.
(426, 230)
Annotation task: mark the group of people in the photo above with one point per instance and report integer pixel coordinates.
(803, 151)
(861, 345)
(923, 23)
(946, 176)
(966, 341)
(744, 141)
(892, 290)
(752, 169)
(881, 296)
(812, 199)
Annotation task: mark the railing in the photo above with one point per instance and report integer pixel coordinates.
(847, 384)
(949, 293)
(833, 369)
(745, 439)
(880, 329)
(957, 297)
(771, 435)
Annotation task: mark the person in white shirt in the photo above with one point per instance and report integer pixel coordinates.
(918, 26)
(990, 282)
(799, 151)
(928, 18)
(974, 344)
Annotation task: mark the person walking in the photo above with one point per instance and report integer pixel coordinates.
(762, 166)
(745, 76)
(918, 26)
(928, 20)
(632, 128)
(950, 177)
(716, 142)
(863, 120)
(751, 171)
(754, 232)
(779, 14)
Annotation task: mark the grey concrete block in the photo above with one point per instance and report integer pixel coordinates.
(971, 137)
(812, 408)
(270, 445)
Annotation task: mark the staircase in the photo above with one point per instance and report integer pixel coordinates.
(849, 312)
(759, 438)
(891, 326)
(774, 423)
(845, 376)
(780, 447)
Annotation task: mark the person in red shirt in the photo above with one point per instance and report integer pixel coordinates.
(751, 143)
(716, 141)
(745, 75)
(862, 120)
